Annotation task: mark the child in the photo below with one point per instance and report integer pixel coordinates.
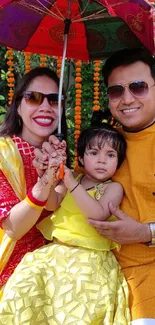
(75, 279)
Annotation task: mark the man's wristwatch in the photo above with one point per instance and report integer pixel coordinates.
(152, 229)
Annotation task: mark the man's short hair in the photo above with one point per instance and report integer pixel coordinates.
(127, 57)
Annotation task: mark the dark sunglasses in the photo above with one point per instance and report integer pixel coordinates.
(137, 88)
(34, 98)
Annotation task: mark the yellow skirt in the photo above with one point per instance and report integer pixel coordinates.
(57, 285)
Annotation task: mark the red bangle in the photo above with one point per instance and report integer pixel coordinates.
(34, 200)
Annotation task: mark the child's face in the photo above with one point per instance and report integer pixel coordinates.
(100, 164)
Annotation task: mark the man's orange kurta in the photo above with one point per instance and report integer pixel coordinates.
(137, 176)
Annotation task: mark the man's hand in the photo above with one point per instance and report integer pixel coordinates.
(125, 230)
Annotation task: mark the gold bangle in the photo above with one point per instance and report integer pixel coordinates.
(32, 205)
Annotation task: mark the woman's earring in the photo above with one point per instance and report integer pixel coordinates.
(19, 121)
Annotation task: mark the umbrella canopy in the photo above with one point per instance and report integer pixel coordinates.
(96, 28)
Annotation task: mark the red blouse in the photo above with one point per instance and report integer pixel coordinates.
(33, 239)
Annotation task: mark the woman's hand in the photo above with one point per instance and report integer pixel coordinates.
(125, 230)
(40, 162)
(59, 146)
(52, 149)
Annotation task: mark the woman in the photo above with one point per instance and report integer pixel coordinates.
(31, 119)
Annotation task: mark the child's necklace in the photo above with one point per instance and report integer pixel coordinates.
(95, 186)
(89, 188)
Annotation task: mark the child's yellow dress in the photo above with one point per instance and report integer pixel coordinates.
(77, 282)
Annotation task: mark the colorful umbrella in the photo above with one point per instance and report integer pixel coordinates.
(38, 26)
(92, 29)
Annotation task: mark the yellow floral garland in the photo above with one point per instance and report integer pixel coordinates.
(77, 115)
(59, 62)
(10, 75)
(43, 60)
(97, 68)
(27, 56)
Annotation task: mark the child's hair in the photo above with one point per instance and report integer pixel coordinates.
(100, 117)
(99, 136)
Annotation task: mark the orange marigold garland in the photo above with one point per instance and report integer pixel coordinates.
(10, 75)
(77, 116)
(43, 60)
(59, 62)
(96, 102)
(27, 56)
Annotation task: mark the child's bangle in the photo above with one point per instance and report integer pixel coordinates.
(32, 205)
(34, 200)
(75, 187)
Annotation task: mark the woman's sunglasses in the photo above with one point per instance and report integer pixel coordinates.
(34, 98)
(138, 89)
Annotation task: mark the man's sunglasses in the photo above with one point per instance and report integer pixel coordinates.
(137, 88)
(34, 98)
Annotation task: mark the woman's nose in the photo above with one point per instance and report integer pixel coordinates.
(45, 105)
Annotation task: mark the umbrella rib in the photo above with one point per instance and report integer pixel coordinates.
(45, 10)
(92, 15)
(81, 11)
(40, 11)
(55, 6)
(119, 3)
(91, 18)
(97, 14)
(49, 11)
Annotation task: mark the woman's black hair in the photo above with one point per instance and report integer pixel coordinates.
(13, 123)
(99, 135)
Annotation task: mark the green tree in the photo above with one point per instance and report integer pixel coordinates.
(3, 70)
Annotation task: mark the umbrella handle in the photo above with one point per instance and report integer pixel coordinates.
(61, 166)
(67, 23)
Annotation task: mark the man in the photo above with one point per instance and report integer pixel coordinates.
(130, 79)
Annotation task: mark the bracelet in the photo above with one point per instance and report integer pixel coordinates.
(75, 187)
(33, 205)
(34, 200)
(152, 229)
